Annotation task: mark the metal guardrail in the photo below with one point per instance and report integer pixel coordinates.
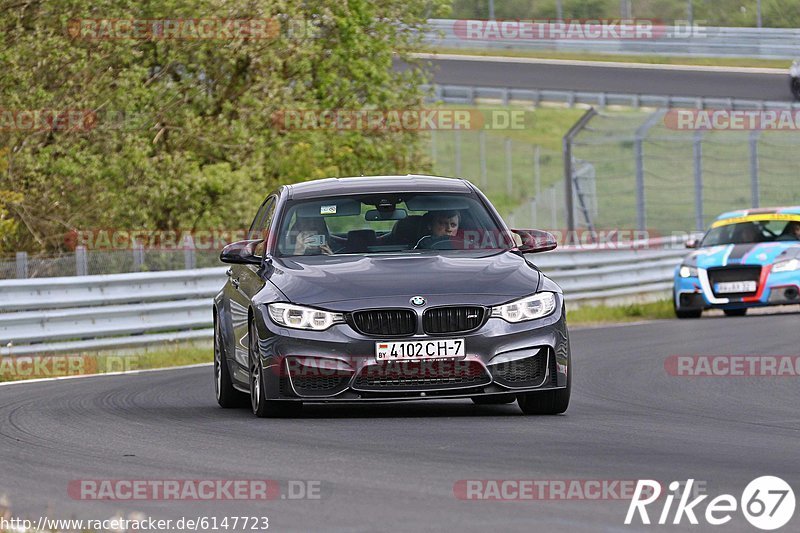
(126, 310)
(469, 95)
(763, 43)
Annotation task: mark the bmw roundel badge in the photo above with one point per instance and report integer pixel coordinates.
(418, 301)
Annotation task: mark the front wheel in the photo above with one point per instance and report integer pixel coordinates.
(795, 85)
(685, 313)
(735, 312)
(262, 407)
(549, 402)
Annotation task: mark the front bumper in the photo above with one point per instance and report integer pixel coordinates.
(339, 364)
(773, 288)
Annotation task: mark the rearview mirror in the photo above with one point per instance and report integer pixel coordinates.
(241, 253)
(395, 214)
(535, 240)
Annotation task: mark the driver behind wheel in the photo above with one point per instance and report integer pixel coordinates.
(442, 227)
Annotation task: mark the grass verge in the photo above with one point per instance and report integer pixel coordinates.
(646, 59)
(36, 366)
(603, 314)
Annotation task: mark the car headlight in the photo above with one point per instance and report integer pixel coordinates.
(298, 317)
(687, 271)
(789, 265)
(529, 308)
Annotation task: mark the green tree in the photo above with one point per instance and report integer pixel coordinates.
(183, 135)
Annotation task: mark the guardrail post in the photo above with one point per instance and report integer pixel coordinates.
(755, 193)
(509, 168)
(189, 258)
(22, 265)
(81, 261)
(697, 155)
(506, 97)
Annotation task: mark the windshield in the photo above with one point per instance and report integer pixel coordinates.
(388, 223)
(753, 232)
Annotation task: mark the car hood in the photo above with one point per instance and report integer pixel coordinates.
(764, 253)
(357, 281)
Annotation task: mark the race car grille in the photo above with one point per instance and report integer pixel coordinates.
(733, 273)
(385, 322)
(521, 372)
(452, 319)
(439, 374)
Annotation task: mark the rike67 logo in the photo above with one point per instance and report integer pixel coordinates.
(767, 502)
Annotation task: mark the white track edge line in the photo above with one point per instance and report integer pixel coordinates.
(121, 373)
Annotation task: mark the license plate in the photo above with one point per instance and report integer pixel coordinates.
(410, 350)
(736, 286)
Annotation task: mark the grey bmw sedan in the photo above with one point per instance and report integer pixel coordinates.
(388, 288)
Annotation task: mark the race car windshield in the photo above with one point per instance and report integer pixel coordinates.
(389, 223)
(753, 232)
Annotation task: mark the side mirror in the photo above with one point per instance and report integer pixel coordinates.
(692, 242)
(241, 253)
(535, 240)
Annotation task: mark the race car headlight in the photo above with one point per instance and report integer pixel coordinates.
(298, 317)
(687, 271)
(529, 308)
(789, 265)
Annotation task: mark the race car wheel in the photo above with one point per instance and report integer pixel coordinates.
(735, 312)
(795, 85)
(550, 402)
(262, 407)
(685, 313)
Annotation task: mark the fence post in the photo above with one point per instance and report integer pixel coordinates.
(189, 259)
(138, 256)
(433, 150)
(458, 153)
(537, 170)
(755, 193)
(482, 155)
(22, 265)
(697, 156)
(81, 261)
(638, 151)
(509, 168)
(567, 150)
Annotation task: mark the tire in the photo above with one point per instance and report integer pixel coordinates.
(735, 312)
(260, 406)
(550, 402)
(685, 313)
(795, 86)
(493, 400)
(227, 396)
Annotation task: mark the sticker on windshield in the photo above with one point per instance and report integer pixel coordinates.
(327, 210)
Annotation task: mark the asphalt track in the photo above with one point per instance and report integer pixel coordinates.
(593, 78)
(393, 466)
